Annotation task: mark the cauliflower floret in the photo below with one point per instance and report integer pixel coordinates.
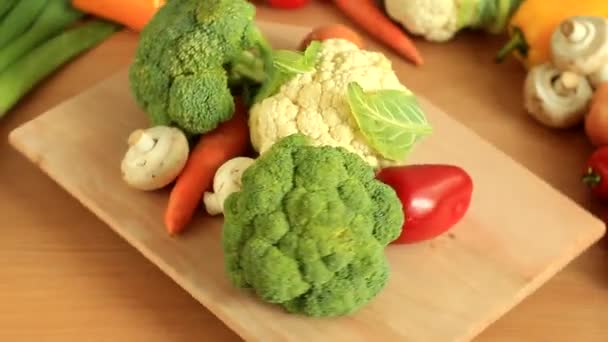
(435, 20)
(315, 103)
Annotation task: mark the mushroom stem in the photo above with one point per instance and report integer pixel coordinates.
(212, 204)
(566, 83)
(141, 141)
(574, 30)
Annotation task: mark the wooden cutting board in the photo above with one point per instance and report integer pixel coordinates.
(518, 232)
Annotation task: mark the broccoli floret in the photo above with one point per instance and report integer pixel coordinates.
(186, 56)
(309, 227)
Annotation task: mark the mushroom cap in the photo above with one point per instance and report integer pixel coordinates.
(155, 157)
(554, 98)
(600, 76)
(580, 44)
(227, 180)
(230, 173)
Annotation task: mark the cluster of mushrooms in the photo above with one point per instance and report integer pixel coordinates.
(558, 93)
(156, 156)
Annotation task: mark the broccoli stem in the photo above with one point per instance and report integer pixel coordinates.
(5, 7)
(264, 48)
(254, 93)
(37, 64)
(19, 19)
(55, 17)
(273, 77)
(249, 66)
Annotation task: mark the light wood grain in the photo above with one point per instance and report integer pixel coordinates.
(445, 290)
(64, 276)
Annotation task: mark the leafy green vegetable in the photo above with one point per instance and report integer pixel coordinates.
(290, 62)
(391, 120)
(5, 7)
(311, 54)
(286, 65)
(19, 19)
(295, 62)
(47, 57)
(55, 17)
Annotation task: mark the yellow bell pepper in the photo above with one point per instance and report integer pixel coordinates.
(534, 22)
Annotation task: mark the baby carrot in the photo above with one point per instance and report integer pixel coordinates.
(134, 14)
(229, 140)
(371, 19)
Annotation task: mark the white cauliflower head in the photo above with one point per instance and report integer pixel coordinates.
(435, 20)
(315, 103)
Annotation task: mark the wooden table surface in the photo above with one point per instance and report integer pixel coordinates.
(65, 276)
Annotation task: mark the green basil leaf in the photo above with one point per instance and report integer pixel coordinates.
(390, 120)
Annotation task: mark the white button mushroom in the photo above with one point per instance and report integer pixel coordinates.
(155, 157)
(599, 76)
(556, 99)
(580, 45)
(227, 180)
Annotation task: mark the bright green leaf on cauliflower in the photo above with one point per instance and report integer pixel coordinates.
(309, 227)
(188, 57)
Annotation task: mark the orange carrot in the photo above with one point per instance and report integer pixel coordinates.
(371, 19)
(331, 31)
(229, 140)
(134, 14)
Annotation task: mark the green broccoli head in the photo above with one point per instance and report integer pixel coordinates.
(308, 229)
(179, 74)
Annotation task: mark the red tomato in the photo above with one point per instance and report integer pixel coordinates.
(288, 4)
(596, 173)
(434, 198)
